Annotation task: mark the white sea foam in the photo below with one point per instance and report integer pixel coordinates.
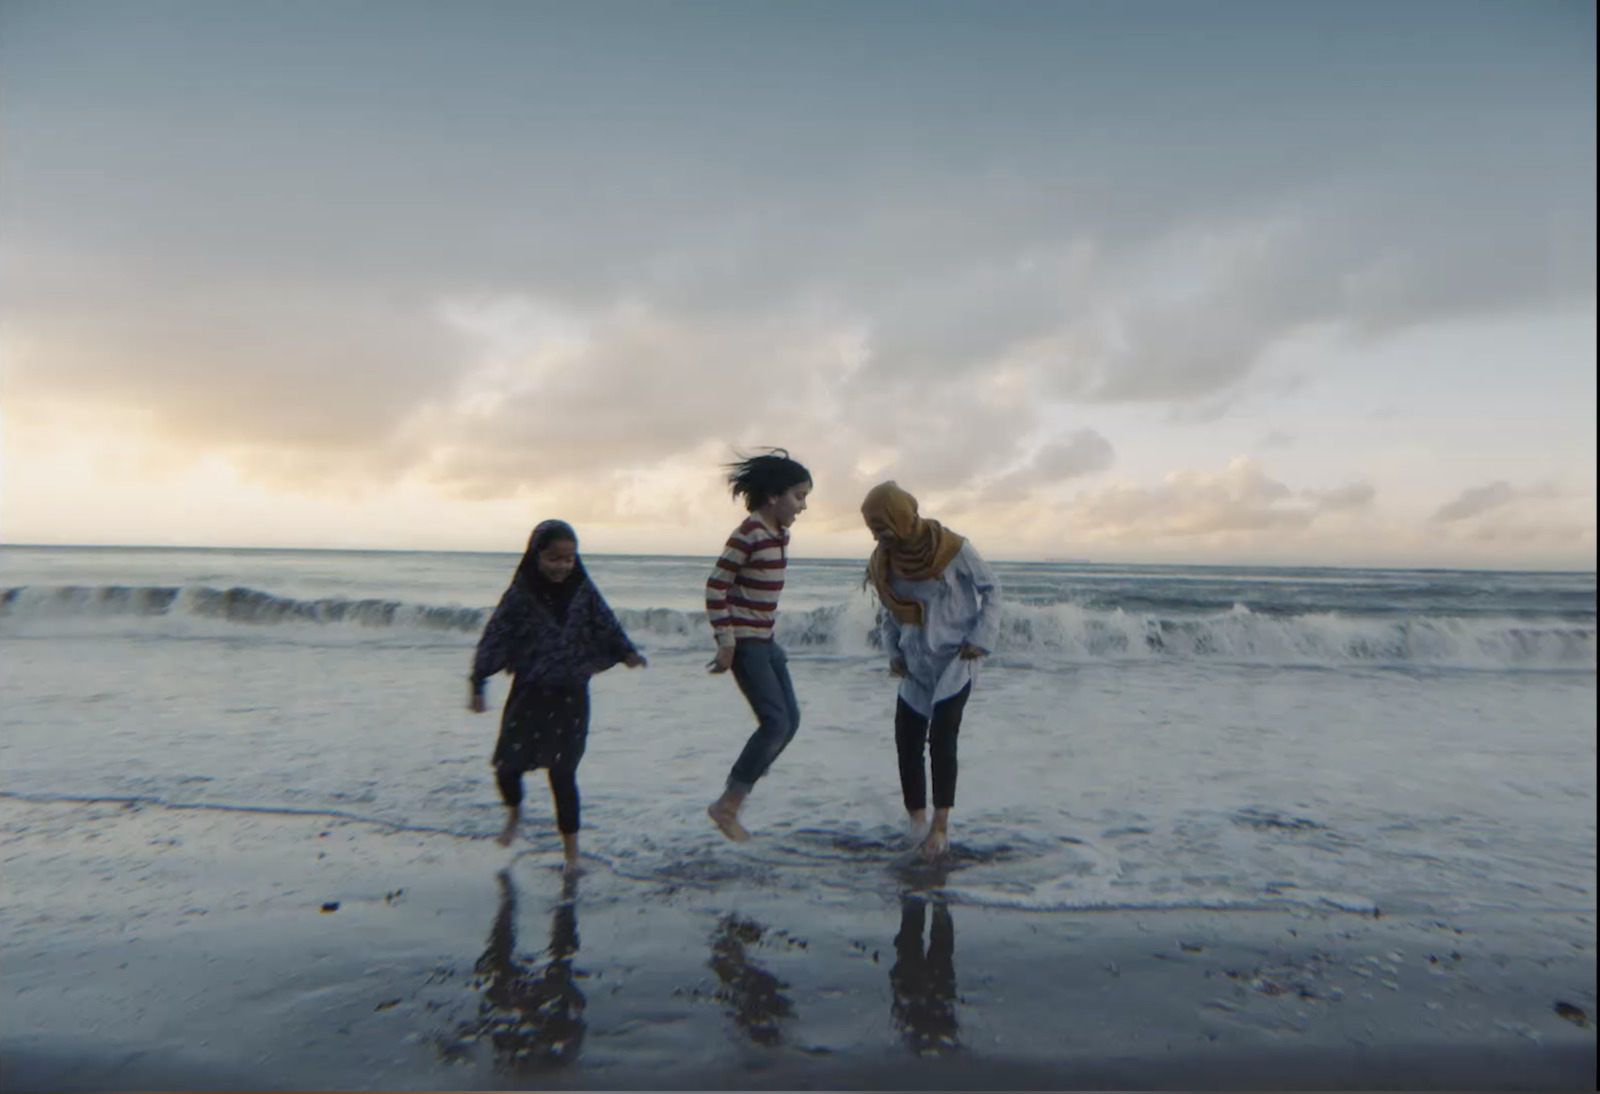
(1142, 747)
(1051, 633)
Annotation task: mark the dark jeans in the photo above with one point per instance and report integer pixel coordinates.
(563, 787)
(910, 731)
(762, 672)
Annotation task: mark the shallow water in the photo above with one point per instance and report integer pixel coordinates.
(1361, 740)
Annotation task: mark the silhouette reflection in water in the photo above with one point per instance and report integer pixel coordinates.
(533, 1019)
(753, 996)
(923, 981)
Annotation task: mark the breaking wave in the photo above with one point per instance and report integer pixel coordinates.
(1051, 633)
(236, 605)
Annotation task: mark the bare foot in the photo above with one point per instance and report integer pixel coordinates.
(935, 846)
(572, 868)
(508, 833)
(728, 820)
(917, 824)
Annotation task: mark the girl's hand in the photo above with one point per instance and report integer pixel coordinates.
(476, 703)
(897, 667)
(969, 652)
(723, 661)
(635, 660)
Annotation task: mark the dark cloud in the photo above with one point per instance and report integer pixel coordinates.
(1059, 460)
(267, 265)
(1357, 495)
(1241, 497)
(1544, 533)
(1478, 500)
(1082, 453)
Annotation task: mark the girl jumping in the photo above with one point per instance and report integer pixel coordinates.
(742, 605)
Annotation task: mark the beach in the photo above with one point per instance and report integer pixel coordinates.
(247, 823)
(183, 948)
(1177, 419)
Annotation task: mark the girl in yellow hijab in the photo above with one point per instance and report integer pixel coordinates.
(941, 612)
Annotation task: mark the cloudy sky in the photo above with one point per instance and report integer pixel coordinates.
(1147, 280)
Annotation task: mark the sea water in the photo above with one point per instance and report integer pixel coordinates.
(1143, 737)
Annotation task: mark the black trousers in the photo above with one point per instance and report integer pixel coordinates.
(563, 787)
(911, 730)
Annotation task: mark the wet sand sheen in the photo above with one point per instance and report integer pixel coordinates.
(174, 948)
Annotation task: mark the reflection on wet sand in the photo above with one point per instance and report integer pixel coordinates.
(923, 981)
(533, 1019)
(753, 996)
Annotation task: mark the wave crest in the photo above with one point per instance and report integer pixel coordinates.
(1055, 633)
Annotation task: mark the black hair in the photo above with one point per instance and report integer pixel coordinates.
(759, 479)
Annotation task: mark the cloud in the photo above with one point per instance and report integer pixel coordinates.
(947, 363)
(236, 365)
(1081, 453)
(1522, 533)
(440, 277)
(1058, 461)
(1240, 498)
(1478, 500)
(1357, 495)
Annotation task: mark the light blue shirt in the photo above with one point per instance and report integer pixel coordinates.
(960, 605)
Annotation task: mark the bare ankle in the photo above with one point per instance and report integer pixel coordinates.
(509, 832)
(725, 815)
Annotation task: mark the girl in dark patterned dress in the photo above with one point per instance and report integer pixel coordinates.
(552, 630)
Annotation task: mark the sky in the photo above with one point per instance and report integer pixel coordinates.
(1189, 281)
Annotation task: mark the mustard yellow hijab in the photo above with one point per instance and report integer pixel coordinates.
(920, 550)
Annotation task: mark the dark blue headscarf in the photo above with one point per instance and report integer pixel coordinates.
(556, 597)
(575, 635)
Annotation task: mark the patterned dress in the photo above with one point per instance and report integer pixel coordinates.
(550, 653)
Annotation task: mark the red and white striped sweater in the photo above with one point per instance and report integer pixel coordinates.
(742, 591)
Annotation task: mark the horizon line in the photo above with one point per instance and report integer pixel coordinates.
(1074, 561)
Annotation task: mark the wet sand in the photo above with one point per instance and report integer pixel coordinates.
(183, 949)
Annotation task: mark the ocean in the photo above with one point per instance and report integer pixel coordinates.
(1143, 736)
(1216, 829)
